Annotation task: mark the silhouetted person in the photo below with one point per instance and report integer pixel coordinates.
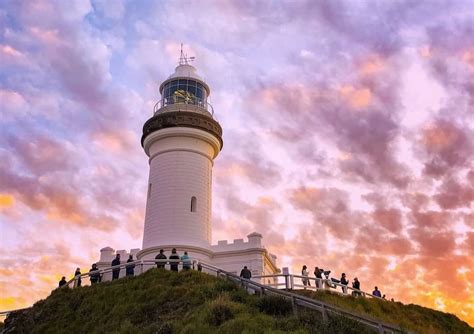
(175, 257)
(186, 261)
(116, 271)
(377, 293)
(344, 282)
(199, 266)
(317, 274)
(130, 268)
(305, 274)
(246, 273)
(77, 278)
(62, 282)
(161, 256)
(94, 274)
(356, 285)
(383, 297)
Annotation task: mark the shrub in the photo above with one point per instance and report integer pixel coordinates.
(274, 305)
(220, 310)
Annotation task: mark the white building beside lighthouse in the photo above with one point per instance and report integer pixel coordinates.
(181, 140)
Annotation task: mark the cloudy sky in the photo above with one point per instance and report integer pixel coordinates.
(348, 135)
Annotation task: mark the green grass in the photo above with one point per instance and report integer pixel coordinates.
(411, 317)
(167, 302)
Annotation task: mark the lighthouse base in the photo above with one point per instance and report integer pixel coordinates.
(229, 256)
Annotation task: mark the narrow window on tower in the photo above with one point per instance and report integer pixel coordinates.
(193, 204)
(149, 190)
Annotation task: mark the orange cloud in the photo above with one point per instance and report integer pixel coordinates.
(468, 58)
(358, 98)
(6, 201)
(437, 137)
(371, 66)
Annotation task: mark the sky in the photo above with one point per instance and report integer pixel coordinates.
(348, 135)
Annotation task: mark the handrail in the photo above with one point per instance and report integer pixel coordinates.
(320, 284)
(309, 302)
(323, 307)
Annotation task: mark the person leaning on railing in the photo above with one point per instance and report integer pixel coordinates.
(130, 268)
(94, 274)
(161, 256)
(186, 261)
(174, 256)
(116, 271)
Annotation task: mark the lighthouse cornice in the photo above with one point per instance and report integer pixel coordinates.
(182, 119)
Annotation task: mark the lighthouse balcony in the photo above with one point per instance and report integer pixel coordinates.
(173, 104)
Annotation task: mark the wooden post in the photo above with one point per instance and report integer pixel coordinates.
(380, 328)
(294, 306)
(325, 314)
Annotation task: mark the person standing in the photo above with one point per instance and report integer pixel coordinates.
(161, 256)
(356, 285)
(376, 292)
(77, 278)
(305, 274)
(130, 268)
(94, 274)
(344, 282)
(246, 273)
(186, 261)
(319, 277)
(175, 257)
(116, 271)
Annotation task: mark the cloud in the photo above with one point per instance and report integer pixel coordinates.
(318, 155)
(447, 148)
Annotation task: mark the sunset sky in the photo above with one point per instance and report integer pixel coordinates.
(348, 135)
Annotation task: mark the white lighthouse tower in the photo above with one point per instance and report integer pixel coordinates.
(181, 140)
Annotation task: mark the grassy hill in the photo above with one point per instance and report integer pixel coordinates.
(187, 302)
(411, 317)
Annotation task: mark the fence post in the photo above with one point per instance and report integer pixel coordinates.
(292, 283)
(324, 313)
(380, 328)
(294, 306)
(287, 283)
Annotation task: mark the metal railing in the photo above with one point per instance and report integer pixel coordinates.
(291, 282)
(250, 285)
(187, 103)
(298, 300)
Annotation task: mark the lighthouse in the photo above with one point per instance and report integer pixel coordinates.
(181, 140)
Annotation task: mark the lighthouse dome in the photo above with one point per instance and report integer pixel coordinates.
(185, 71)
